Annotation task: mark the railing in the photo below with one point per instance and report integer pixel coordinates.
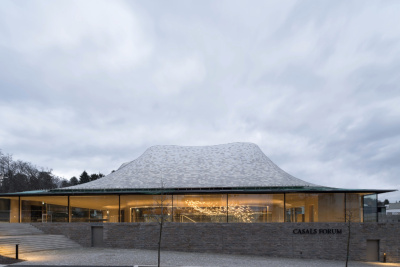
(45, 217)
(184, 216)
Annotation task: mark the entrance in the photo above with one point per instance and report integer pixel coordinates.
(372, 250)
(97, 236)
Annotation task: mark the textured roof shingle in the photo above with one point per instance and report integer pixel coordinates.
(227, 165)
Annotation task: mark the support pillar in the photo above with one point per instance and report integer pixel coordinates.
(19, 209)
(119, 208)
(69, 210)
(284, 207)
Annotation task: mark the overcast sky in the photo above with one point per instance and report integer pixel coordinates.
(88, 85)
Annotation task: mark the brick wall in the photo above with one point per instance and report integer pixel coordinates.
(269, 239)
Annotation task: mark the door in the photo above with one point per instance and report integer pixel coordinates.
(97, 236)
(372, 250)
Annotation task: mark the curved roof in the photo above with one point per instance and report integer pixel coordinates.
(221, 166)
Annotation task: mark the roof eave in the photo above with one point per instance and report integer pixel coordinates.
(158, 191)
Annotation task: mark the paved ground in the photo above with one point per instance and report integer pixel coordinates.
(130, 257)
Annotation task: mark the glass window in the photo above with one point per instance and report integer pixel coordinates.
(145, 208)
(370, 208)
(94, 208)
(330, 207)
(214, 208)
(9, 209)
(44, 209)
(255, 208)
(301, 207)
(354, 207)
(322, 207)
(200, 208)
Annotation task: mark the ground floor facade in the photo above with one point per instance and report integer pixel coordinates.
(191, 207)
(368, 241)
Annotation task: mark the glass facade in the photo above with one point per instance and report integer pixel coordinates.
(9, 210)
(200, 208)
(44, 209)
(145, 208)
(94, 208)
(354, 207)
(301, 207)
(328, 207)
(192, 208)
(255, 208)
(370, 203)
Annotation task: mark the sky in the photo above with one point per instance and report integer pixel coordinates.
(89, 85)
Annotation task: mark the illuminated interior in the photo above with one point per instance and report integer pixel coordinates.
(328, 207)
(103, 208)
(192, 208)
(255, 208)
(200, 208)
(145, 208)
(9, 211)
(44, 209)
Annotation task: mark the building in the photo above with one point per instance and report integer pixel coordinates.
(392, 213)
(224, 183)
(393, 209)
(231, 185)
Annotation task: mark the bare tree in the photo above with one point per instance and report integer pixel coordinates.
(349, 218)
(161, 214)
(18, 175)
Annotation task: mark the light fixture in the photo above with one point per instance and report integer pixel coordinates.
(241, 212)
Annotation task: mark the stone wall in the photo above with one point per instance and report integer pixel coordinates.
(298, 240)
(79, 232)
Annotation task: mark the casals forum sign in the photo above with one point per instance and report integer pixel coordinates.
(312, 231)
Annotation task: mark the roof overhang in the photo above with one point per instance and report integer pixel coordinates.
(181, 191)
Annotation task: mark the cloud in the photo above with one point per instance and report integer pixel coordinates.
(80, 36)
(174, 75)
(90, 85)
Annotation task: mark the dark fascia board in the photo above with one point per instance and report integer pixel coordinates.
(182, 191)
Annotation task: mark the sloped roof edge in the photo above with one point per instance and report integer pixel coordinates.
(218, 166)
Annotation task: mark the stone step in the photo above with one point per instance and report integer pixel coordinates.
(11, 250)
(42, 245)
(30, 239)
(7, 229)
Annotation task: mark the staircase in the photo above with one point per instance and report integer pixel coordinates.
(29, 239)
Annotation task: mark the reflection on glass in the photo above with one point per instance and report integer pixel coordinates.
(370, 208)
(200, 208)
(255, 208)
(325, 207)
(9, 210)
(330, 207)
(214, 208)
(146, 208)
(354, 207)
(301, 207)
(44, 209)
(94, 208)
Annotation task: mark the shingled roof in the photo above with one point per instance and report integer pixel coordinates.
(232, 165)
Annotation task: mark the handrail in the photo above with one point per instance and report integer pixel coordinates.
(187, 218)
